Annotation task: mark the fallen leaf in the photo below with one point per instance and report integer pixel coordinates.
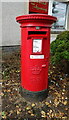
(62, 93)
(8, 90)
(19, 109)
(56, 102)
(63, 90)
(65, 102)
(18, 112)
(11, 111)
(65, 117)
(62, 98)
(50, 111)
(50, 101)
(66, 98)
(52, 115)
(44, 116)
(17, 106)
(28, 108)
(46, 103)
(33, 105)
(3, 115)
(32, 114)
(43, 113)
(1, 94)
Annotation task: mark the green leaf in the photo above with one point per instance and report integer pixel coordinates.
(3, 113)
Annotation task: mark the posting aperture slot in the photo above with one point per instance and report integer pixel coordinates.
(36, 32)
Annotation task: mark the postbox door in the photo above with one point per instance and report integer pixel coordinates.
(35, 53)
(39, 64)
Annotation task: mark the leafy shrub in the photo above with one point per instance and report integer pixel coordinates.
(60, 48)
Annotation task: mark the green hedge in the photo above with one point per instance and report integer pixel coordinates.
(60, 48)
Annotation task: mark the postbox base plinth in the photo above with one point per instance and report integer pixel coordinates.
(33, 96)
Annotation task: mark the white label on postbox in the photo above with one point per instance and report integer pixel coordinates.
(37, 45)
(36, 56)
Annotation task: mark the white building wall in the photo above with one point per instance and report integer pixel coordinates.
(10, 28)
(0, 23)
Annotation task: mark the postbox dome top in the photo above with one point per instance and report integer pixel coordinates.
(47, 19)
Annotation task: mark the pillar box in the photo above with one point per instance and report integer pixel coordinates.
(35, 52)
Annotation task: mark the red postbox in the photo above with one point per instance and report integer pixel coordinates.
(35, 52)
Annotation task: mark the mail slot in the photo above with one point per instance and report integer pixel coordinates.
(35, 52)
(37, 33)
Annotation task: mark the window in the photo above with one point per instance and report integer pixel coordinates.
(59, 10)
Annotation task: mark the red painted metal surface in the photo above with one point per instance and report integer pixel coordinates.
(34, 65)
(38, 7)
